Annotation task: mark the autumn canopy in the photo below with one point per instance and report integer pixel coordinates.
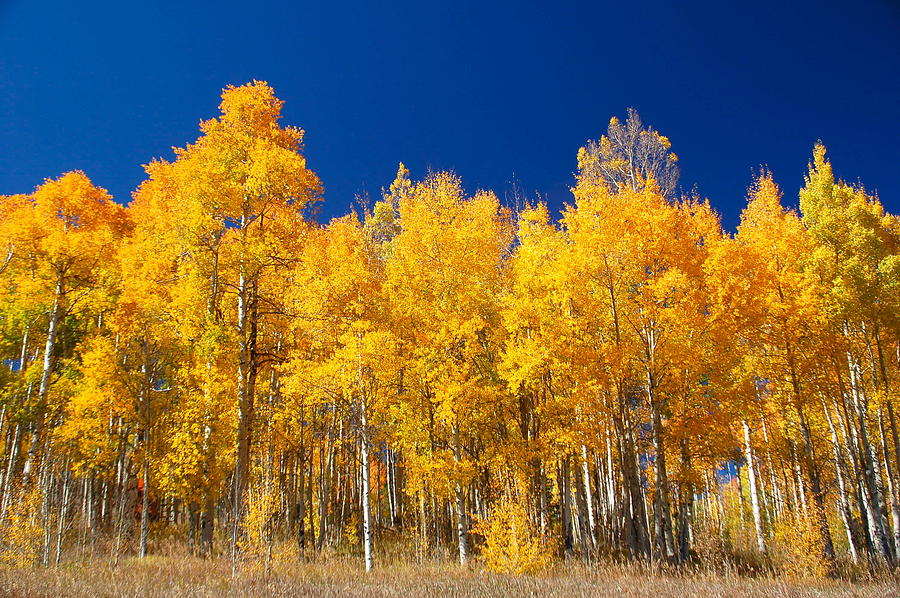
(446, 373)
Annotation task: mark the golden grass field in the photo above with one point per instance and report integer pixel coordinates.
(186, 576)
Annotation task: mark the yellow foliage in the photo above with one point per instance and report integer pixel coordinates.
(797, 546)
(258, 524)
(351, 530)
(21, 532)
(512, 544)
(453, 339)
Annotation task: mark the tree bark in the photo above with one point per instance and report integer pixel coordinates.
(754, 499)
(461, 531)
(364, 454)
(44, 386)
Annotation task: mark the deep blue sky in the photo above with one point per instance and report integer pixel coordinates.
(493, 90)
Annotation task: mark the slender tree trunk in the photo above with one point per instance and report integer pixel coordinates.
(685, 509)
(565, 494)
(612, 504)
(325, 492)
(63, 512)
(145, 405)
(588, 496)
(301, 502)
(754, 499)
(461, 531)
(891, 482)
(246, 378)
(364, 453)
(581, 520)
(843, 500)
(10, 464)
(777, 498)
(662, 511)
(310, 496)
(871, 495)
(543, 499)
(44, 386)
(391, 480)
(634, 511)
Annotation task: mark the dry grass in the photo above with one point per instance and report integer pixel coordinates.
(342, 577)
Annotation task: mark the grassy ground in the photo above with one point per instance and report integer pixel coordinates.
(337, 577)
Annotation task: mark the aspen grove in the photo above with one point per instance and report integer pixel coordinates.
(445, 375)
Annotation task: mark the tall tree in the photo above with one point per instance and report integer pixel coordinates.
(236, 196)
(630, 155)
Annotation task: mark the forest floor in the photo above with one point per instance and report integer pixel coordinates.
(193, 577)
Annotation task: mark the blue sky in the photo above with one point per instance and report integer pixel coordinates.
(492, 90)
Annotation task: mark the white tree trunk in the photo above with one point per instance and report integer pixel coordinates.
(367, 526)
(588, 497)
(754, 498)
(45, 382)
(458, 504)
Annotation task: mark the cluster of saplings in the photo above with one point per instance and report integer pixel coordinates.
(444, 374)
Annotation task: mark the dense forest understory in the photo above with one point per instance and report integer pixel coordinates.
(445, 376)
